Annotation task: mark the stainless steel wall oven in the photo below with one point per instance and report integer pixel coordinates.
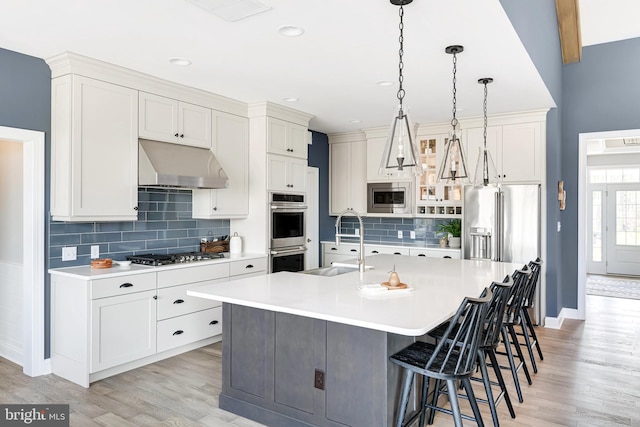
(287, 231)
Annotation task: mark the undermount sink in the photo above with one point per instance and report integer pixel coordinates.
(334, 270)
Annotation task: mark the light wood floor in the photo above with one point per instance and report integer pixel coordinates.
(590, 377)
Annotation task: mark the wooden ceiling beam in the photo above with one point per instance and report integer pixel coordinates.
(569, 27)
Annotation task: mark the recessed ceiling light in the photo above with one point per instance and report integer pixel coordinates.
(290, 99)
(290, 31)
(354, 121)
(182, 62)
(384, 83)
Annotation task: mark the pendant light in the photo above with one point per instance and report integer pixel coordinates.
(400, 155)
(453, 168)
(486, 172)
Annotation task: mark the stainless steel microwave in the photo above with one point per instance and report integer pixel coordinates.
(389, 197)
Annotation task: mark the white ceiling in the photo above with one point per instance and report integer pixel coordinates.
(347, 47)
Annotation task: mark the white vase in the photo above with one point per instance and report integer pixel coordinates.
(454, 242)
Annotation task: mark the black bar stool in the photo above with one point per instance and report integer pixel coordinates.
(508, 331)
(490, 340)
(453, 359)
(528, 331)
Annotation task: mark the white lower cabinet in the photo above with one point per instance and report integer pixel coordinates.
(123, 328)
(104, 326)
(337, 253)
(348, 251)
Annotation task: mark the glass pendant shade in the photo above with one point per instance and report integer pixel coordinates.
(486, 172)
(400, 155)
(453, 168)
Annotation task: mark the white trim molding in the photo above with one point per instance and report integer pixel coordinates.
(556, 322)
(33, 363)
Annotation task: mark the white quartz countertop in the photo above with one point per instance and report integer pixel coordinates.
(439, 285)
(86, 272)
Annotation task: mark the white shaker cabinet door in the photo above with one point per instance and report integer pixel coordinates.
(94, 154)
(521, 152)
(158, 118)
(194, 124)
(347, 169)
(123, 329)
(231, 147)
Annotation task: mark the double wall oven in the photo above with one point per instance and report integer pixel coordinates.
(287, 231)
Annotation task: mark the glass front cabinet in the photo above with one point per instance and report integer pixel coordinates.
(436, 199)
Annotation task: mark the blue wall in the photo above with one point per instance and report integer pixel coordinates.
(537, 26)
(600, 94)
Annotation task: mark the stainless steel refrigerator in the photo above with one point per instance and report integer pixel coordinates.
(502, 224)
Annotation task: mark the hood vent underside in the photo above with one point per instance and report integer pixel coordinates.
(161, 164)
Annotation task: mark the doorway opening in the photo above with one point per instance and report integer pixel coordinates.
(609, 215)
(30, 266)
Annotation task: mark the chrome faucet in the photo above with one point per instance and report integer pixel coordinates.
(338, 235)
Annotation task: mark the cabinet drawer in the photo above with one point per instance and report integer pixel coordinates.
(122, 285)
(373, 250)
(201, 273)
(247, 266)
(341, 249)
(435, 253)
(174, 301)
(189, 328)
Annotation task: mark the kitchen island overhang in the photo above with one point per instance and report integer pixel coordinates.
(282, 331)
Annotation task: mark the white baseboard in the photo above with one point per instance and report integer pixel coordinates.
(565, 313)
(11, 352)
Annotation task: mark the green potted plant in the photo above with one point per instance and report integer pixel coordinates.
(451, 228)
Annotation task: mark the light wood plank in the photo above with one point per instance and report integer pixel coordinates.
(569, 28)
(588, 378)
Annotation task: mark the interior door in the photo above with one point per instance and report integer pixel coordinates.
(623, 229)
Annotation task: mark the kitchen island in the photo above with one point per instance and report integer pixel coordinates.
(301, 349)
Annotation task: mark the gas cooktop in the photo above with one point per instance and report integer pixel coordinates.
(179, 258)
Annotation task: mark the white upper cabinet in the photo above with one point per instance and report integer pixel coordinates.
(375, 149)
(347, 171)
(516, 149)
(286, 174)
(285, 138)
(94, 150)
(231, 147)
(169, 120)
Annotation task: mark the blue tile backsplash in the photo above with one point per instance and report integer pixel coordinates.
(164, 226)
(385, 230)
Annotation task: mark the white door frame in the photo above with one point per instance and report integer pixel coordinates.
(33, 363)
(582, 207)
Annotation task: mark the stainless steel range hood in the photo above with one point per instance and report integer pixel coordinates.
(161, 164)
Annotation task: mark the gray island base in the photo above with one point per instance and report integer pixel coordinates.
(271, 362)
(308, 350)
